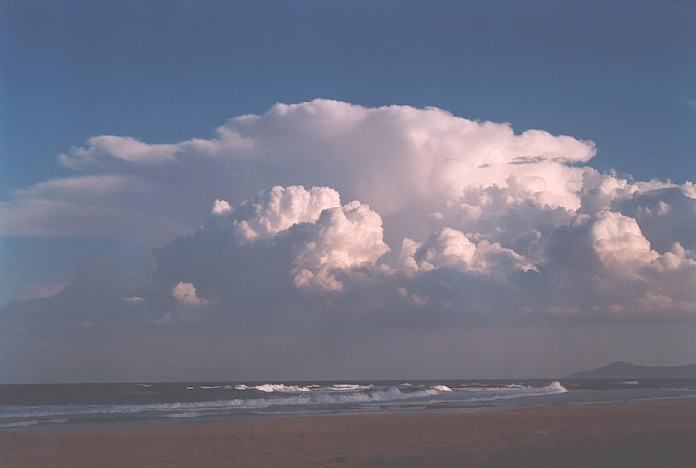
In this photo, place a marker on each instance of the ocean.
(71, 405)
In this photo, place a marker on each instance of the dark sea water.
(69, 405)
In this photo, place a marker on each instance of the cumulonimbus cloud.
(436, 203)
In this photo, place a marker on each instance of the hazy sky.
(259, 190)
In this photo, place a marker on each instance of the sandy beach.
(611, 435)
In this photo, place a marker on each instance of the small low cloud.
(220, 207)
(186, 294)
(133, 300)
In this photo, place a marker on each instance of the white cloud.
(689, 189)
(187, 295)
(133, 299)
(644, 281)
(412, 298)
(602, 191)
(516, 216)
(108, 150)
(619, 242)
(279, 208)
(452, 249)
(220, 207)
(343, 238)
(124, 148)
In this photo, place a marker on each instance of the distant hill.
(627, 370)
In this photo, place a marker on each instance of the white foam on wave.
(349, 387)
(32, 422)
(410, 385)
(497, 393)
(186, 414)
(504, 393)
(553, 387)
(557, 387)
(442, 388)
(281, 388)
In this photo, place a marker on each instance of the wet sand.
(608, 435)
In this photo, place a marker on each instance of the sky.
(219, 190)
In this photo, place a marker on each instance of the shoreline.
(166, 422)
(607, 434)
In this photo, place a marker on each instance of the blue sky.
(619, 73)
